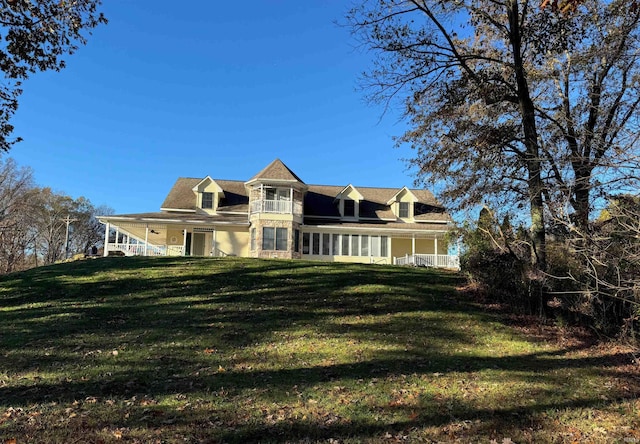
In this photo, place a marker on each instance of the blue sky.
(216, 88)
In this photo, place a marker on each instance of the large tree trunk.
(532, 155)
(582, 201)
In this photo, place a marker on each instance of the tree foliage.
(16, 208)
(33, 228)
(36, 35)
(508, 102)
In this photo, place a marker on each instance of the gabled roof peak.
(277, 171)
(205, 182)
(345, 191)
(401, 191)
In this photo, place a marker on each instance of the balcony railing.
(430, 260)
(271, 206)
(150, 250)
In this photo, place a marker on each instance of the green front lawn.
(238, 350)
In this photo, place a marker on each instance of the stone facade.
(290, 252)
(291, 221)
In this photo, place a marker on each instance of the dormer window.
(207, 201)
(403, 210)
(349, 208)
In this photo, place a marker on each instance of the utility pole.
(67, 221)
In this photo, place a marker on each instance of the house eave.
(109, 219)
(180, 210)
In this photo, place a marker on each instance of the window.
(277, 193)
(403, 210)
(281, 239)
(355, 244)
(268, 238)
(316, 243)
(364, 245)
(296, 241)
(326, 242)
(336, 245)
(345, 245)
(349, 208)
(375, 246)
(207, 200)
(306, 237)
(274, 238)
(253, 239)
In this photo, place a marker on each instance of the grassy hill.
(237, 350)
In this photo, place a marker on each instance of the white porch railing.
(150, 250)
(429, 260)
(271, 206)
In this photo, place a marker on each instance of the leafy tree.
(53, 209)
(33, 225)
(508, 102)
(86, 231)
(36, 34)
(16, 208)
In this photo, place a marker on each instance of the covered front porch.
(425, 250)
(158, 238)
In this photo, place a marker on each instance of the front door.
(197, 244)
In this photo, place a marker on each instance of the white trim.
(219, 189)
(180, 210)
(105, 249)
(184, 242)
(239, 213)
(339, 195)
(203, 230)
(393, 199)
(173, 221)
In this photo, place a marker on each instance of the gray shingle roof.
(277, 170)
(319, 200)
(181, 195)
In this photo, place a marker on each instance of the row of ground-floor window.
(325, 245)
(333, 244)
(322, 244)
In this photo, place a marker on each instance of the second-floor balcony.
(272, 206)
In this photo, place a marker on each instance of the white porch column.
(215, 242)
(117, 235)
(184, 242)
(413, 244)
(105, 250)
(435, 243)
(291, 198)
(146, 239)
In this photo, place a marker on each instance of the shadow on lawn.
(237, 304)
(255, 298)
(232, 424)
